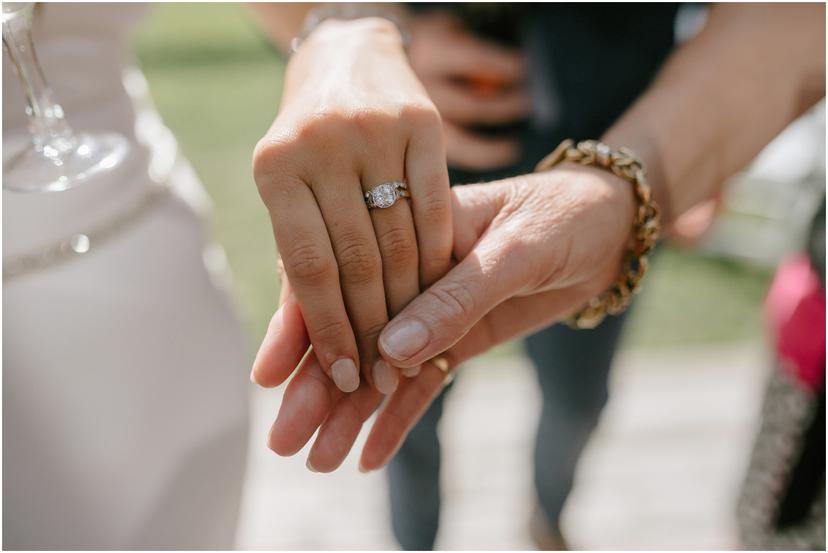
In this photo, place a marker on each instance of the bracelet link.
(625, 164)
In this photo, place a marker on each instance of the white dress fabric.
(124, 368)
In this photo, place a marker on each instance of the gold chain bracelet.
(646, 224)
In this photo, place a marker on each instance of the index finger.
(401, 412)
(311, 266)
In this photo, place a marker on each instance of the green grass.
(690, 298)
(216, 82)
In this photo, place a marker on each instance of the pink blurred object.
(795, 310)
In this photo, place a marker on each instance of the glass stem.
(47, 124)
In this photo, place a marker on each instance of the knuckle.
(398, 247)
(320, 128)
(436, 203)
(369, 122)
(358, 261)
(434, 266)
(329, 331)
(421, 115)
(271, 156)
(377, 129)
(307, 262)
(456, 299)
(368, 335)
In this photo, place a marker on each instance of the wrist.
(343, 48)
(647, 149)
(354, 22)
(334, 38)
(622, 164)
(613, 197)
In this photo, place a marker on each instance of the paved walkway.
(661, 472)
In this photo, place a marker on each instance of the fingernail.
(253, 377)
(405, 338)
(362, 468)
(345, 375)
(385, 377)
(310, 466)
(411, 372)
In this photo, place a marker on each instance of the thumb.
(473, 207)
(518, 317)
(284, 344)
(443, 314)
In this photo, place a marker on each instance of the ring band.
(443, 364)
(386, 194)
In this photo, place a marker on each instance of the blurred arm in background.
(475, 83)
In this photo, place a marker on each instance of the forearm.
(723, 96)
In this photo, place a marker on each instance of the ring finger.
(358, 257)
(397, 241)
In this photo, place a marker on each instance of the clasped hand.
(528, 250)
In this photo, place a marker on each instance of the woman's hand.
(354, 116)
(472, 82)
(533, 249)
(562, 232)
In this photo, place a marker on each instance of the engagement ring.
(386, 194)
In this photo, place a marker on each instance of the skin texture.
(536, 247)
(353, 116)
(486, 219)
(331, 118)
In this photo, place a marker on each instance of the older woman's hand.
(354, 116)
(561, 232)
(533, 249)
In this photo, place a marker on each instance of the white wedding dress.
(124, 367)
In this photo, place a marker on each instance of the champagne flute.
(57, 158)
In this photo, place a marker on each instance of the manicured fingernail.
(385, 377)
(404, 338)
(310, 466)
(253, 377)
(345, 375)
(362, 468)
(411, 372)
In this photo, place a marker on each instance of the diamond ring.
(386, 194)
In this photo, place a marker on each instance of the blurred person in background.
(782, 503)
(534, 248)
(505, 89)
(125, 407)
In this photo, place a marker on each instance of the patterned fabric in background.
(782, 505)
